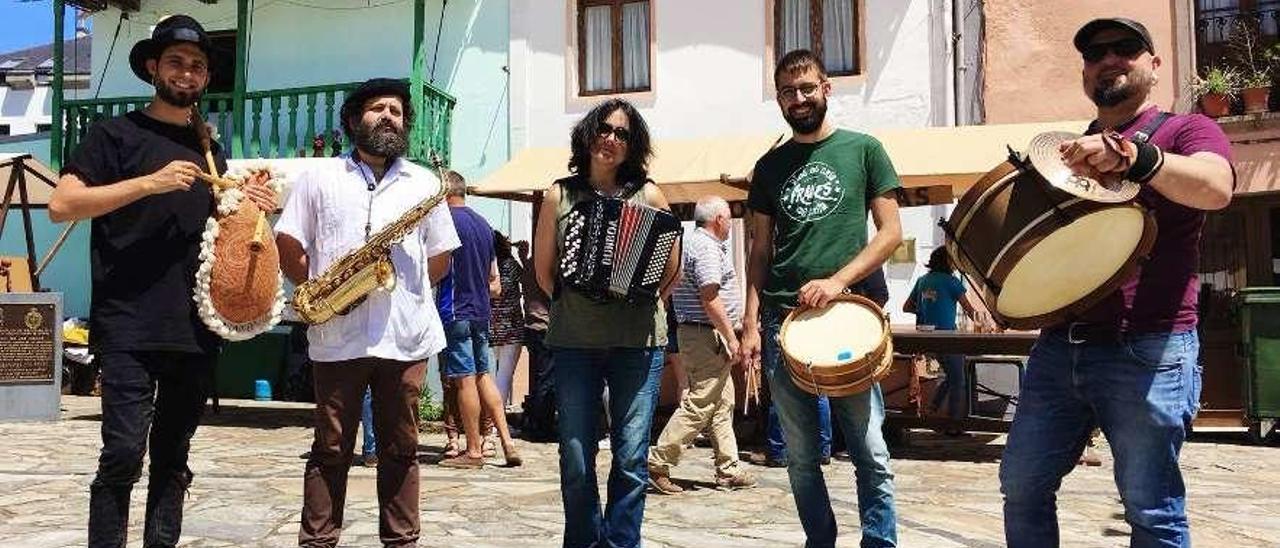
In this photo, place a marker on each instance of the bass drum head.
(843, 332)
(1072, 262)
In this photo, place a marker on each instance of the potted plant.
(1255, 91)
(1214, 90)
(1255, 62)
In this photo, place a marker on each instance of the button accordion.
(616, 249)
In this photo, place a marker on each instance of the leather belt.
(1090, 333)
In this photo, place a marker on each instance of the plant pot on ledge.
(1255, 99)
(1216, 105)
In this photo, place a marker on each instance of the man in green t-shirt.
(809, 200)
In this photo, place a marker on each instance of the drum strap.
(1142, 135)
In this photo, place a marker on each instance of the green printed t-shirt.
(818, 195)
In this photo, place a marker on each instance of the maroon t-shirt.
(1164, 294)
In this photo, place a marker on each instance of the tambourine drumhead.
(843, 332)
(1070, 263)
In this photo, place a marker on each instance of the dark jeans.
(540, 404)
(160, 394)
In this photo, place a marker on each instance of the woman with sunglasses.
(594, 345)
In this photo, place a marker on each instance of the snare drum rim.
(1020, 247)
(845, 297)
(857, 386)
(798, 370)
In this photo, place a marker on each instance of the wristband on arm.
(1146, 164)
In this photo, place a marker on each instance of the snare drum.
(838, 350)
(1038, 255)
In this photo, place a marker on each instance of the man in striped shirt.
(709, 309)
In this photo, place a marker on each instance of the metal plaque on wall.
(30, 356)
(27, 342)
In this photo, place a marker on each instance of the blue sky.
(26, 24)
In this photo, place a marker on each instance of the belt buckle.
(1071, 333)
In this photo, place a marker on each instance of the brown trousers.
(339, 397)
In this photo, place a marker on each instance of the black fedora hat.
(169, 31)
(375, 87)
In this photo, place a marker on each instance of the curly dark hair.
(634, 171)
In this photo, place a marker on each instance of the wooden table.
(909, 340)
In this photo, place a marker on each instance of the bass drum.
(1038, 255)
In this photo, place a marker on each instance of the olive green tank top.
(579, 322)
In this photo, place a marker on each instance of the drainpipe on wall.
(958, 67)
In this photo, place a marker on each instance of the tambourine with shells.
(239, 290)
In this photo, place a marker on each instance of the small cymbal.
(1045, 157)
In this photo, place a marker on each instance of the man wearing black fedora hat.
(1128, 365)
(135, 177)
(383, 343)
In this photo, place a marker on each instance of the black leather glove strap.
(1148, 162)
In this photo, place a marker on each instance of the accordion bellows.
(616, 249)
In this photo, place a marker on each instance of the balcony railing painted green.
(279, 123)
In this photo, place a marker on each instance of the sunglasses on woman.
(622, 134)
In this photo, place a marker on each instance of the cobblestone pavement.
(248, 492)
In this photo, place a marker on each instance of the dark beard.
(382, 140)
(1114, 94)
(1105, 96)
(804, 125)
(181, 99)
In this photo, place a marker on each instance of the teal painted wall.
(69, 271)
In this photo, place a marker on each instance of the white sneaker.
(604, 444)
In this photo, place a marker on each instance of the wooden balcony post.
(242, 66)
(55, 129)
(418, 133)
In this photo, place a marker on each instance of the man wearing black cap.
(1129, 365)
(383, 343)
(134, 175)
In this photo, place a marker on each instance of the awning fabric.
(690, 168)
(39, 178)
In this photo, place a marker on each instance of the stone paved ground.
(248, 492)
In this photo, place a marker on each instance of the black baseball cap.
(169, 31)
(1086, 33)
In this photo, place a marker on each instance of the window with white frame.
(613, 46)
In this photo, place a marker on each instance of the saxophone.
(346, 283)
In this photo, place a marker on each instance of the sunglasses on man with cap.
(1126, 48)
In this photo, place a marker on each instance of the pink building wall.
(1033, 71)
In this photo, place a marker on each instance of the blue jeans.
(366, 426)
(632, 375)
(861, 417)
(466, 350)
(954, 390)
(1142, 391)
(776, 444)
